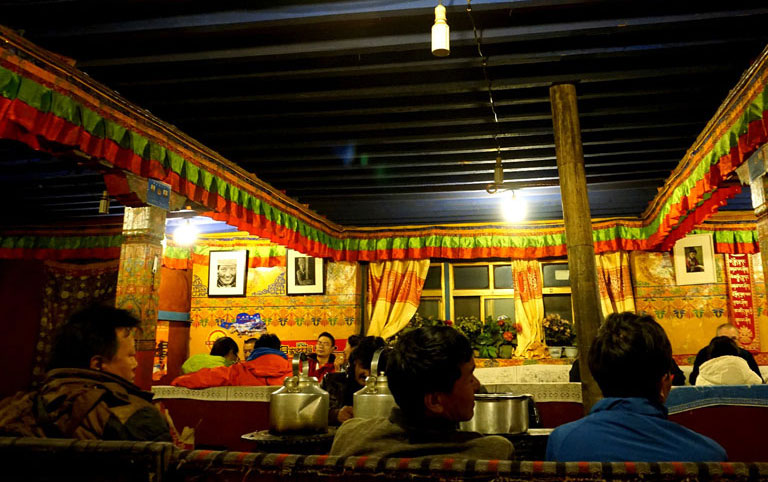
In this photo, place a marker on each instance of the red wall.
(21, 298)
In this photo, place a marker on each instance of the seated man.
(88, 392)
(248, 346)
(430, 373)
(729, 330)
(724, 366)
(342, 386)
(223, 353)
(322, 360)
(266, 365)
(631, 360)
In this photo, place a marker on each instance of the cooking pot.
(374, 399)
(300, 406)
(497, 413)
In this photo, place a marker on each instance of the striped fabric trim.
(42, 97)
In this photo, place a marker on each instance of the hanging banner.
(739, 275)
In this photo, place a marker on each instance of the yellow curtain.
(529, 309)
(394, 291)
(614, 282)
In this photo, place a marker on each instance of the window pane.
(500, 306)
(466, 306)
(430, 308)
(470, 278)
(502, 277)
(434, 278)
(555, 274)
(558, 304)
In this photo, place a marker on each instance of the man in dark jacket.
(726, 329)
(341, 386)
(88, 392)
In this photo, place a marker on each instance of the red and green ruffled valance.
(261, 252)
(43, 101)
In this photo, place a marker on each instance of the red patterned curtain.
(614, 282)
(394, 293)
(68, 288)
(529, 309)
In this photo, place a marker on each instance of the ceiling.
(341, 105)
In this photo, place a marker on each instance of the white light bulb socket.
(441, 34)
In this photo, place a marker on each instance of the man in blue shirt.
(631, 360)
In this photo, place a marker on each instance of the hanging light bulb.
(185, 234)
(514, 207)
(441, 46)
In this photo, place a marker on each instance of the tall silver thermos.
(374, 399)
(300, 406)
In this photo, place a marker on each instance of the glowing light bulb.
(514, 207)
(185, 234)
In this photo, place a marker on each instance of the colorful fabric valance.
(44, 100)
(262, 253)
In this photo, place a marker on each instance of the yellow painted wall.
(690, 314)
(296, 320)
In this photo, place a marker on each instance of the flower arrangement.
(558, 331)
(508, 330)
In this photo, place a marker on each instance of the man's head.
(248, 346)
(227, 272)
(225, 347)
(352, 343)
(325, 344)
(100, 338)
(268, 340)
(631, 357)
(430, 373)
(729, 330)
(361, 356)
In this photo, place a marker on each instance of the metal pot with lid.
(374, 399)
(300, 406)
(501, 413)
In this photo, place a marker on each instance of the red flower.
(501, 322)
(448, 322)
(519, 327)
(508, 336)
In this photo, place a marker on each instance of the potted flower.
(471, 327)
(508, 336)
(558, 333)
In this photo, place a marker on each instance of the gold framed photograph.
(227, 273)
(694, 259)
(305, 274)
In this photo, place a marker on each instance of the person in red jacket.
(322, 360)
(266, 365)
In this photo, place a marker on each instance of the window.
(487, 289)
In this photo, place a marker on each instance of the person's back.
(631, 360)
(430, 374)
(705, 354)
(724, 366)
(88, 393)
(223, 354)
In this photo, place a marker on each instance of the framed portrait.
(305, 274)
(227, 273)
(694, 259)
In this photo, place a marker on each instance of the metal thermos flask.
(300, 406)
(374, 399)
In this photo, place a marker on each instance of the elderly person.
(724, 366)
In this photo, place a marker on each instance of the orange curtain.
(614, 282)
(394, 291)
(529, 309)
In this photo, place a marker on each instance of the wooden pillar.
(578, 230)
(138, 282)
